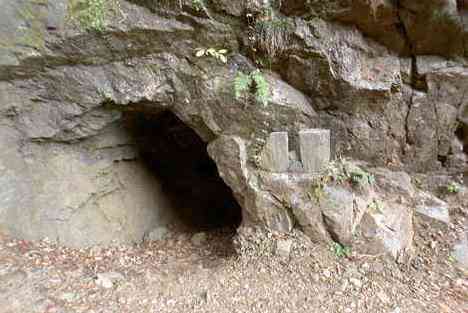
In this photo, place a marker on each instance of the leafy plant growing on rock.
(217, 54)
(198, 5)
(453, 187)
(317, 191)
(178, 3)
(340, 250)
(254, 81)
(242, 83)
(361, 178)
(91, 14)
(272, 33)
(443, 16)
(341, 171)
(375, 206)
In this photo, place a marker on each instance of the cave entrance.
(178, 158)
(462, 134)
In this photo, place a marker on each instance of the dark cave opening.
(462, 134)
(178, 158)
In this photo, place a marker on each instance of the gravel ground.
(211, 275)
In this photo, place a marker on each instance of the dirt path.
(175, 275)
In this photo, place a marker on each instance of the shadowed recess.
(178, 157)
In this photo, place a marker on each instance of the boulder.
(432, 207)
(386, 229)
(460, 253)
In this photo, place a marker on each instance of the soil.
(176, 275)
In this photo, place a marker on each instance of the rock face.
(388, 80)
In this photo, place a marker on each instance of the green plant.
(272, 34)
(217, 54)
(443, 15)
(453, 187)
(91, 14)
(198, 5)
(340, 250)
(242, 83)
(376, 206)
(317, 191)
(262, 93)
(337, 170)
(417, 182)
(342, 170)
(255, 80)
(170, 3)
(360, 177)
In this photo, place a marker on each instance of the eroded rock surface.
(388, 79)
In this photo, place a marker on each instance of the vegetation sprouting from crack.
(219, 54)
(197, 5)
(453, 187)
(340, 250)
(272, 33)
(91, 14)
(340, 172)
(244, 83)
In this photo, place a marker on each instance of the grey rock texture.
(388, 79)
(315, 149)
(107, 280)
(275, 154)
(432, 207)
(460, 253)
(159, 233)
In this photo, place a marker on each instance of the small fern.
(91, 14)
(262, 93)
(340, 250)
(242, 83)
(255, 79)
(453, 187)
(272, 33)
(198, 5)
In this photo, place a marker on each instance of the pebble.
(460, 253)
(199, 238)
(158, 234)
(95, 250)
(356, 282)
(283, 248)
(383, 297)
(344, 286)
(365, 267)
(326, 273)
(107, 280)
(204, 296)
(68, 296)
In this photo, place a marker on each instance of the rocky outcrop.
(366, 71)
